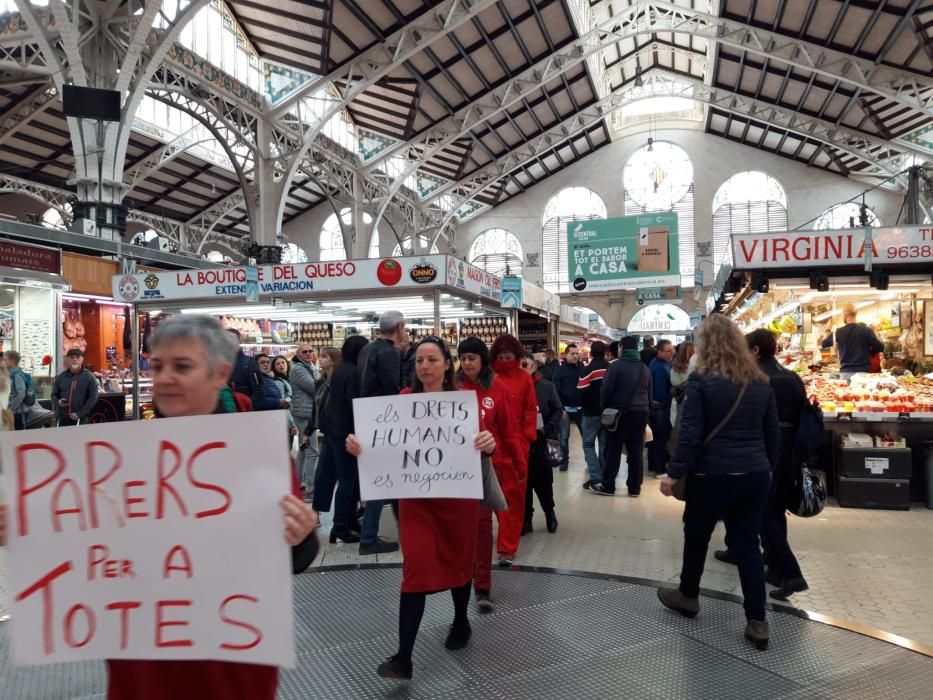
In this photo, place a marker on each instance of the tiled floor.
(868, 566)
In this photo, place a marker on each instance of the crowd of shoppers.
(723, 415)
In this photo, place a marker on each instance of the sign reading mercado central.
(624, 252)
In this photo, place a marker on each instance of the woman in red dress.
(476, 375)
(438, 535)
(507, 352)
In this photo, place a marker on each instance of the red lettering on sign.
(22, 489)
(92, 481)
(129, 501)
(164, 447)
(124, 606)
(160, 623)
(209, 487)
(748, 254)
(185, 565)
(256, 632)
(90, 622)
(183, 279)
(76, 509)
(44, 585)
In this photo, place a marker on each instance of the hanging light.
(651, 147)
(639, 82)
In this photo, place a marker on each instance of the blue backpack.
(30, 398)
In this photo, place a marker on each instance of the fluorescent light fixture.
(836, 312)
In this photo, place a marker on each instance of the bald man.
(855, 342)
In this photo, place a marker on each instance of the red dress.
(438, 538)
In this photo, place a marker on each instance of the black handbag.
(610, 419)
(555, 455)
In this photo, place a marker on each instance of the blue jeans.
(370, 526)
(575, 418)
(593, 431)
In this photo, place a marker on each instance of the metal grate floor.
(552, 634)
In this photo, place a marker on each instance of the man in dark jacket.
(591, 403)
(790, 394)
(626, 388)
(550, 364)
(648, 353)
(75, 391)
(565, 382)
(856, 343)
(380, 370)
(660, 418)
(247, 379)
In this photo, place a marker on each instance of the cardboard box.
(652, 249)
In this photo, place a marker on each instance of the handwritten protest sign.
(150, 540)
(419, 446)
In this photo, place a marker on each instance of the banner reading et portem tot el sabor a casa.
(623, 252)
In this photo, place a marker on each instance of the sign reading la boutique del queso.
(300, 279)
(846, 247)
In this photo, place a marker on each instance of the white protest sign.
(419, 446)
(150, 540)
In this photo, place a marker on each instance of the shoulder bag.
(493, 498)
(611, 416)
(679, 488)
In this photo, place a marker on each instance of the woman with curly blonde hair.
(727, 447)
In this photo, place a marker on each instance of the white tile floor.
(868, 566)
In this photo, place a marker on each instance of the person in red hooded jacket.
(476, 375)
(507, 352)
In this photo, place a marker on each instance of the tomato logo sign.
(389, 273)
(129, 288)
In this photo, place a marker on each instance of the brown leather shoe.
(756, 632)
(675, 600)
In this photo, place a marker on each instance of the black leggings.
(411, 610)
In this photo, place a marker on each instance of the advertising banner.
(846, 247)
(154, 539)
(651, 295)
(463, 275)
(511, 293)
(31, 257)
(624, 252)
(419, 446)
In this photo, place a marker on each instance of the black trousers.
(778, 555)
(739, 501)
(540, 479)
(630, 435)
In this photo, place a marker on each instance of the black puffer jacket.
(337, 416)
(747, 443)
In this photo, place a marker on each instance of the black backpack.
(811, 429)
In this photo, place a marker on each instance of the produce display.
(872, 393)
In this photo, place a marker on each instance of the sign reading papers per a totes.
(419, 446)
(150, 540)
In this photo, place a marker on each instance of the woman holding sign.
(190, 363)
(438, 535)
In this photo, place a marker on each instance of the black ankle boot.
(551, 520)
(393, 667)
(344, 534)
(459, 636)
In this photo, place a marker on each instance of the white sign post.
(150, 540)
(419, 446)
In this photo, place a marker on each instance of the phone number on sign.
(910, 251)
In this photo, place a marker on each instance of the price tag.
(903, 416)
(844, 416)
(874, 417)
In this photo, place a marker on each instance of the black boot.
(551, 520)
(393, 667)
(344, 534)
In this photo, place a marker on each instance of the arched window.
(404, 248)
(332, 247)
(659, 177)
(845, 216)
(291, 253)
(497, 251)
(570, 204)
(748, 202)
(659, 318)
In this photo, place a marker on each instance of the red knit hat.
(507, 343)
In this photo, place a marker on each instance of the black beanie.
(474, 346)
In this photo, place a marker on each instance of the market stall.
(798, 285)
(277, 306)
(537, 311)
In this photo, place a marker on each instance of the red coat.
(496, 416)
(522, 399)
(438, 538)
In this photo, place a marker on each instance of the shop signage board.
(126, 541)
(538, 298)
(30, 257)
(623, 252)
(649, 295)
(511, 293)
(304, 279)
(419, 446)
(834, 248)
